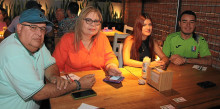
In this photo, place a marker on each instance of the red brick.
(214, 62)
(209, 9)
(214, 53)
(217, 9)
(211, 31)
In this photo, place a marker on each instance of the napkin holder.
(160, 79)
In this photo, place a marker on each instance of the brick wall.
(132, 10)
(163, 13)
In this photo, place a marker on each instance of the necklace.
(143, 47)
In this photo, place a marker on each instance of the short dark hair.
(73, 7)
(187, 12)
(32, 4)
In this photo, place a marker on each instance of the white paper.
(204, 68)
(72, 76)
(180, 99)
(86, 106)
(198, 67)
(195, 66)
(169, 106)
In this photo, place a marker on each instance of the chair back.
(118, 45)
(126, 27)
(120, 55)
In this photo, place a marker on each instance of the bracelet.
(78, 85)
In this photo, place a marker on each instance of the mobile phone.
(83, 94)
(114, 79)
(206, 84)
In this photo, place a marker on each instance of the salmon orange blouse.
(68, 60)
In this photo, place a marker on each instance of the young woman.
(86, 48)
(141, 44)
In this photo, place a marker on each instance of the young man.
(25, 61)
(186, 46)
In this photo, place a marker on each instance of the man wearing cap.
(25, 61)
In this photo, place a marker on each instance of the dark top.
(144, 49)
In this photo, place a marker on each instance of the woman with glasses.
(141, 44)
(86, 48)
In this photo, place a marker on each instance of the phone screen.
(115, 79)
(84, 94)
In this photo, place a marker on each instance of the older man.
(186, 46)
(25, 61)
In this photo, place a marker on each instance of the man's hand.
(113, 70)
(178, 60)
(59, 81)
(87, 81)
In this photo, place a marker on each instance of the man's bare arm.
(50, 90)
(204, 60)
(58, 86)
(51, 72)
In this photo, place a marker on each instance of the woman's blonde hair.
(79, 23)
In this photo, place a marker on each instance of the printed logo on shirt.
(178, 46)
(193, 48)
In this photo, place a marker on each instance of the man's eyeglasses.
(34, 28)
(90, 21)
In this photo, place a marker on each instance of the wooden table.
(185, 81)
(130, 95)
(114, 96)
(111, 33)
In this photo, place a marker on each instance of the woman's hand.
(156, 63)
(113, 70)
(162, 64)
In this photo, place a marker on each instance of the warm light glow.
(1, 34)
(157, 58)
(117, 9)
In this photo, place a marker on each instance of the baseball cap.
(34, 15)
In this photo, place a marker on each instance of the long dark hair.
(137, 37)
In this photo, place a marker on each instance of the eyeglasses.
(90, 21)
(34, 28)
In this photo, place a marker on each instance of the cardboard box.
(160, 79)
